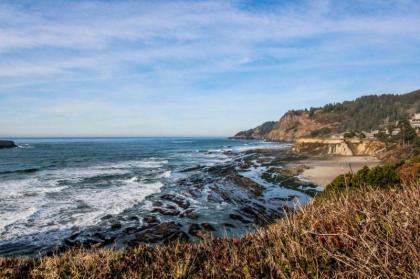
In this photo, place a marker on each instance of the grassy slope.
(359, 233)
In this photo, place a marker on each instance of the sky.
(194, 68)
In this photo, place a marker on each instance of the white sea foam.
(9, 217)
(146, 163)
(262, 145)
(165, 174)
(43, 214)
(36, 204)
(24, 146)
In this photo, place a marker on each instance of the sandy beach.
(323, 171)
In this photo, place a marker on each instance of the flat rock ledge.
(7, 144)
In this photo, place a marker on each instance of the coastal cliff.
(297, 124)
(366, 113)
(341, 147)
(7, 144)
(259, 132)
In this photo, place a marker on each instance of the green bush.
(380, 176)
(349, 135)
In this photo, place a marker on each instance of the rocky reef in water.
(7, 144)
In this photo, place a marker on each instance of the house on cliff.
(415, 122)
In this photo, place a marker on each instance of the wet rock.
(275, 214)
(179, 236)
(130, 230)
(264, 160)
(225, 196)
(116, 225)
(150, 219)
(93, 242)
(72, 243)
(214, 197)
(228, 225)
(262, 209)
(257, 214)
(108, 240)
(247, 183)
(167, 211)
(99, 235)
(133, 218)
(195, 168)
(286, 177)
(178, 200)
(217, 194)
(207, 227)
(74, 236)
(157, 233)
(107, 217)
(289, 198)
(189, 213)
(243, 165)
(195, 193)
(194, 181)
(201, 231)
(7, 144)
(198, 182)
(133, 229)
(222, 170)
(157, 203)
(194, 228)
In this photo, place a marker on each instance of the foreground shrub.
(361, 233)
(409, 172)
(379, 176)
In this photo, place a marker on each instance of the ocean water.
(51, 188)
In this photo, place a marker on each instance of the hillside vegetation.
(350, 232)
(371, 112)
(363, 114)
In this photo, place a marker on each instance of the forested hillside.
(370, 112)
(363, 114)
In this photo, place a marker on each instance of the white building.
(395, 131)
(415, 122)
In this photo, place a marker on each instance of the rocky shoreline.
(255, 187)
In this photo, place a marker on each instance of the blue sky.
(194, 68)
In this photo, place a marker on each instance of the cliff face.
(292, 125)
(299, 124)
(341, 147)
(259, 132)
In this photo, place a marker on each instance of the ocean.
(56, 189)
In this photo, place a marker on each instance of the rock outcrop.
(258, 133)
(342, 147)
(7, 144)
(296, 124)
(292, 125)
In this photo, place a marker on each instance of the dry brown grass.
(362, 233)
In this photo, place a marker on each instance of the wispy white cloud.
(121, 32)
